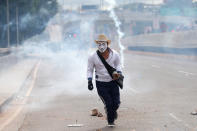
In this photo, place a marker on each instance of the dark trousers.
(110, 95)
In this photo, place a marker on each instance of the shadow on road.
(105, 129)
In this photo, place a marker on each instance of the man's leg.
(115, 95)
(103, 91)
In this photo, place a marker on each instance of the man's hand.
(90, 85)
(115, 75)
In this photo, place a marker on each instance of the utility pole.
(8, 26)
(101, 4)
(17, 30)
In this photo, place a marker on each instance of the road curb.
(5, 53)
(165, 55)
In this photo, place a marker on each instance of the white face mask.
(102, 46)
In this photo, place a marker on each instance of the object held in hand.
(115, 75)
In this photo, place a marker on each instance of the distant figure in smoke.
(107, 89)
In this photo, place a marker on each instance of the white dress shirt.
(101, 72)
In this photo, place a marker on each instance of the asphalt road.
(158, 95)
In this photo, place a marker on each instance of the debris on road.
(75, 125)
(95, 112)
(100, 115)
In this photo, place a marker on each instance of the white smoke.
(117, 24)
(67, 54)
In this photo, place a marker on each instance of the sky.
(74, 4)
(77, 2)
(144, 1)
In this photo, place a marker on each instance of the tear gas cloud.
(65, 44)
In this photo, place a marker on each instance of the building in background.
(178, 3)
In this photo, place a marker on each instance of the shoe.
(111, 124)
(116, 116)
(194, 113)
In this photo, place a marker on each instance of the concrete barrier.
(166, 50)
(181, 45)
(186, 39)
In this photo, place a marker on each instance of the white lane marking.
(179, 120)
(187, 125)
(134, 91)
(186, 73)
(32, 84)
(155, 66)
(174, 117)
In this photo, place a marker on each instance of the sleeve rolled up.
(90, 68)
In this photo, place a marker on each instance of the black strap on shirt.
(109, 68)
